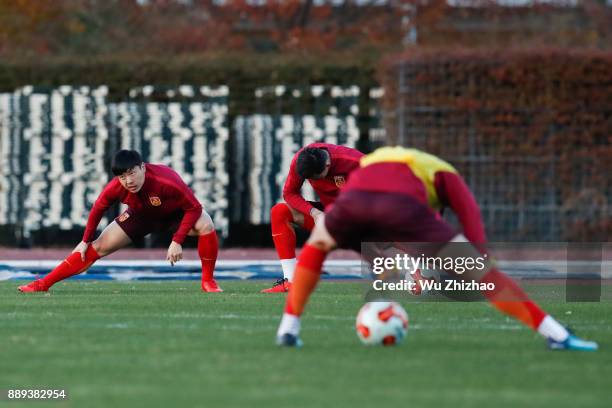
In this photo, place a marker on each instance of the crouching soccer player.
(390, 199)
(158, 200)
(326, 167)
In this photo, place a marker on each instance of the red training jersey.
(343, 161)
(162, 195)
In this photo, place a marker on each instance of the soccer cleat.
(211, 286)
(288, 340)
(280, 286)
(573, 343)
(35, 286)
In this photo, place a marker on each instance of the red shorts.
(137, 224)
(369, 216)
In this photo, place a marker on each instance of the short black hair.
(125, 160)
(311, 162)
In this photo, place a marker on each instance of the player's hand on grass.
(81, 248)
(175, 253)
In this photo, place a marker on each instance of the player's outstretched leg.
(283, 235)
(511, 299)
(208, 249)
(111, 239)
(307, 275)
(72, 265)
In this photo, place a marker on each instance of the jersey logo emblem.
(123, 217)
(155, 201)
(340, 181)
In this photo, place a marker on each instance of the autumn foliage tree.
(100, 27)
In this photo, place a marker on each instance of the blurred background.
(516, 94)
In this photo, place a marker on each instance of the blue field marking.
(133, 270)
(161, 270)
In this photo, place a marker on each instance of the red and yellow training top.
(423, 176)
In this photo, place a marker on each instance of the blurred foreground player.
(158, 200)
(326, 167)
(390, 199)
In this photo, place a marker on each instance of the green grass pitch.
(112, 344)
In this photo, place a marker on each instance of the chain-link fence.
(532, 143)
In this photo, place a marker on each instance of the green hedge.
(241, 72)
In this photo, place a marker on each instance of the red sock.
(208, 248)
(307, 274)
(70, 266)
(509, 298)
(283, 234)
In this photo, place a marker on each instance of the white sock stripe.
(289, 324)
(288, 266)
(550, 328)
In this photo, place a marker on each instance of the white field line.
(349, 267)
(552, 264)
(140, 263)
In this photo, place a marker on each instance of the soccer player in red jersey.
(392, 198)
(326, 167)
(158, 200)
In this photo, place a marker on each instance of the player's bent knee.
(204, 225)
(321, 245)
(207, 228)
(280, 212)
(99, 248)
